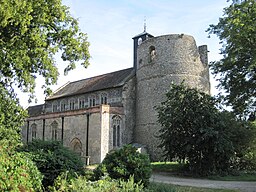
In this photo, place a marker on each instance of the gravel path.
(242, 186)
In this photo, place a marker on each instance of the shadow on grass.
(181, 170)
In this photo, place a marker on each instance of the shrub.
(125, 162)
(52, 158)
(18, 172)
(81, 183)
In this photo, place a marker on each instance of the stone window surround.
(72, 103)
(34, 130)
(55, 106)
(116, 125)
(104, 98)
(54, 126)
(82, 102)
(63, 105)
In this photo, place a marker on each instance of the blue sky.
(110, 26)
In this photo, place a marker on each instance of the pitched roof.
(35, 110)
(109, 80)
(143, 33)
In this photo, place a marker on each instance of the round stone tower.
(161, 61)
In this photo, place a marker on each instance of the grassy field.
(178, 169)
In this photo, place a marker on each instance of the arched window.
(152, 53)
(34, 130)
(81, 103)
(139, 41)
(55, 106)
(116, 131)
(76, 146)
(104, 98)
(72, 104)
(92, 101)
(54, 127)
(63, 105)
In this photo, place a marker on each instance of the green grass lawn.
(172, 167)
(179, 169)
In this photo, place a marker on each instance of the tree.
(52, 158)
(237, 70)
(31, 33)
(194, 130)
(11, 118)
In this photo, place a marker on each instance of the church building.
(96, 115)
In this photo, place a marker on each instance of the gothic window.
(55, 107)
(63, 105)
(152, 53)
(72, 104)
(104, 98)
(34, 130)
(116, 131)
(81, 103)
(92, 101)
(76, 146)
(54, 126)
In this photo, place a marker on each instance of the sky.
(110, 26)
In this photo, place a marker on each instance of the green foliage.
(236, 71)
(160, 187)
(124, 163)
(18, 172)
(31, 33)
(11, 119)
(174, 167)
(81, 183)
(246, 154)
(52, 158)
(193, 129)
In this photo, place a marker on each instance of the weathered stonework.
(96, 115)
(175, 59)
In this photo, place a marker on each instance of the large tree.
(31, 33)
(237, 69)
(193, 129)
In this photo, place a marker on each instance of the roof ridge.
(107, 80)
(61, 87)
(100, 75)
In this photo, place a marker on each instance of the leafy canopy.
(11, 118)
(52, 158)
(237, 70)
(31, 33)
(194, 130)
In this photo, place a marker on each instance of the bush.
(18, 172)
(124, 163)
(52, 158)
(81, 183)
